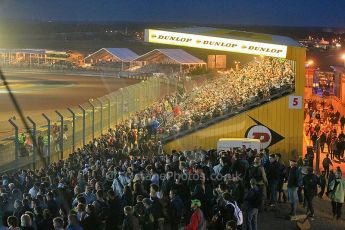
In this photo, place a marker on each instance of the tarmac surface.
(39, 93)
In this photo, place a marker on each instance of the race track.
(38, 93)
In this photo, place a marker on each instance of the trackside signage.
(215, 43)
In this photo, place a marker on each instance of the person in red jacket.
(197, 221)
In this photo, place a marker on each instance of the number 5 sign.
(295, 102)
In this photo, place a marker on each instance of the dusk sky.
(251, 12)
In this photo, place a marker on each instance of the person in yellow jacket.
(337, 194)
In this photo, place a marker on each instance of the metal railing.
(77, 126)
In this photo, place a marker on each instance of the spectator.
(253, 200)
(292, 186)
(91, 221)
(12, 223)
(26, 222)
(130, 222)
(176, 209)
(337, 194)
(47, 222)
(322, 183)
(119, 183)
(149, 218)
(198, 220)
(58, 223)
(273, 178)
(73, 223)
(310, 190)
(115, 215)
(326, 163)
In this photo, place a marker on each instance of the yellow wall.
(275, 115)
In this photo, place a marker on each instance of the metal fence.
(76, 126)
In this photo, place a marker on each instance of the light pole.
(93, 118)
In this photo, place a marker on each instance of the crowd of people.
(124, 180)
(183, 110)
(257, 80)
(325, 127)
(100, 187)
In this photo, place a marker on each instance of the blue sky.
(246, 12)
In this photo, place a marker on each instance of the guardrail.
(77, 126)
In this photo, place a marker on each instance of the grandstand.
(263, 100)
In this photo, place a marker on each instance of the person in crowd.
(282, 176)
(115, 206)
(157, 209)
(257, 172)
(130, 222)
(292, 185)
(26, 222)
(252, 200)
(310, 182)
(198, 220)
(73, 223)
(337, 194)
(273, 178)
(176, 209)
(149, 220)
(91, 220)
(12, 223)
(326, 163)
(322, 183)
(46, 222)
(58, 223)
(120, 182)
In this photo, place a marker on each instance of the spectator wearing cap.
(197, 220)
(337, 194)
(292, 185)
(272, 171)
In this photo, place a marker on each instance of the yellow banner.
(215, 43)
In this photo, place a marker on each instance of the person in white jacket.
(120, 182)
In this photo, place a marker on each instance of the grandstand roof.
(240, 35)
(177, 55)
(26, 51)
(123, 54)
